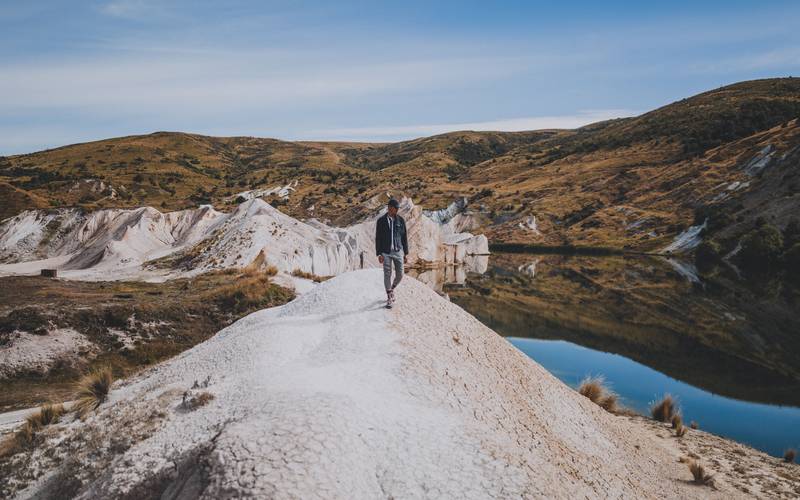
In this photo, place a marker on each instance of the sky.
(75, 71)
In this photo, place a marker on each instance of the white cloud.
(787, 57)
(215, 82)
(394, 132)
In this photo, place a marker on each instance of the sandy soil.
(38, 353)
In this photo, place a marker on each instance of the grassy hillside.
(633, 182)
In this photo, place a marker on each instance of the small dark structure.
(49, 273)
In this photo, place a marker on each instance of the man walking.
(391, 246)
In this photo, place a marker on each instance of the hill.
(343, 399)
(629, 183)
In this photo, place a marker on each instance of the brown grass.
(680, 431)
(92, 391)
(595, 390)
(700, 475)
(694, 425)
(310, 276)
(789, 455)
(664, 410)
(677, 421)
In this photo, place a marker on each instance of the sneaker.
(388, 303)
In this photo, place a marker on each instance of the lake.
(729, 352)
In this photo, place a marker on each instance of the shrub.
(694, 425)
(680, 431)
(761, 247)
(677, 421)
(92, 391)
(664, 409)
(699, 474)
(789, 455)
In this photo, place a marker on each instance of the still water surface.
(730, 353)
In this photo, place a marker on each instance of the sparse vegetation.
(192, 401)
(677, 421)
(153, 322)
(250, 290)
(48, 414)
(309, 276)
(664, 410)
(92, 391)
(595, 390)
(789, 455)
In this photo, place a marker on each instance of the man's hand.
(380, 259)
(405, 259)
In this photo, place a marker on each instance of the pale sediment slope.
(144, 243)
(333, 396)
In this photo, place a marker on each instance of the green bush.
(761, 247)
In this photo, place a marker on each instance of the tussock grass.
(677, 421)
(789, 455)
(699, 474)
(664, 410)
(92, 390)
(595, 390)
(48, 414)
(680, 431)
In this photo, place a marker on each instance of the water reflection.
(453, 275)
(708, 331)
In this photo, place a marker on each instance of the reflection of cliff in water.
(452, 275)
(738, 341)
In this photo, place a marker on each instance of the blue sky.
(74, 71)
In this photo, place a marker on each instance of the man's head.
(392, 207)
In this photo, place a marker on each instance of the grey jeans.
(388, 259)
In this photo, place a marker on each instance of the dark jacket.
(383, 238)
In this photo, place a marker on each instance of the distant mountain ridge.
(628, 183)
